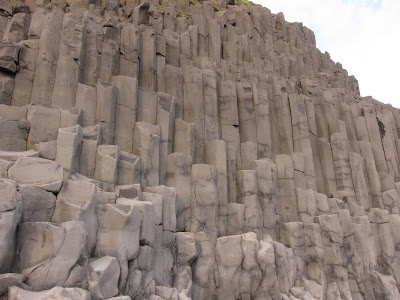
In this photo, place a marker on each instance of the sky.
(363, 35)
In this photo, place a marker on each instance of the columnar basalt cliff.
(180, 149)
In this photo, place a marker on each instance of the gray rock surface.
(10, 215)
(37, 172)
(189, 150)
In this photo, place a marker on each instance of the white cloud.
(363, 35)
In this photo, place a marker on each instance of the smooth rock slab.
(59, 293)
(37, 172)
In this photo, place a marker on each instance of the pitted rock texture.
(187, 149)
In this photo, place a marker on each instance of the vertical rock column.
(214, 40)
(166, 120)
(248, 196)
(387, 259)
(284, 117)
(17, 28)
(26, 73)
(46, 62)
(87, 100)
(10, 215)
(125, 111)
(375, 132)
(388, 143)
(374, 184)
(327, 167)
(105, 110)
(216, 155)
(268, 194)
(147, 71)
(130, 50)
(340, 151)
(90, 141)
(184, 137)
(288, 204)
(247, 122)
(77, 201)
(193, 107)
(334, 257)
(107, 158)
(70, 61)
(204, 225)
(361, 189)
(229, 118)
(93, 49)
(201, 22)
(262, 111)
(146, 145)
(110, 50)
(301, 137)
(178, 175)
(69, 143)
(212, 129)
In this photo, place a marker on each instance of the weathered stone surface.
(44, 122)
(193, 107)
(240, 259)
(107, 158)
(13, 135)
(76, 201)
(91, 139)
(184, 138)
(24, 77)
(6, 87)
(46, 62)
(37, 204)
(129, 169)
(13, 156)
(221, 155)
(8, 280)
(125, 111)
(168, 199)
(86, 99)
(55, 293)
(37, 172)
(118, 234)
(178, 175)
(70, 61)
(69, 142)
(103, 277)
(9, 57)
(4, 166)
(105, 110)
(47, 257)
(10, 215)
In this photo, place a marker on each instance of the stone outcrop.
(188, 150)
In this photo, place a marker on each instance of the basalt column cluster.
(184, 149)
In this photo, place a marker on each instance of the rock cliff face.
(188, 150)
